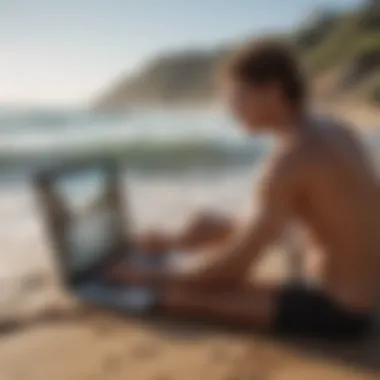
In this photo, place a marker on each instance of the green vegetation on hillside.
(349, 41)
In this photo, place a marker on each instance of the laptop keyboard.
(134, 299)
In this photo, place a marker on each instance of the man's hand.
(202, 230)
(128, 275)
(205, 229)
(154, 242)
(194, 278)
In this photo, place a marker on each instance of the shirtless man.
(319, 175)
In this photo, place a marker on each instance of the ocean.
(155, 140)
(175, 163)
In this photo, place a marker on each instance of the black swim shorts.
(310, 312)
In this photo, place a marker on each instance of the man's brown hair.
(267, 61)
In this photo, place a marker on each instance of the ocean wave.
(142, 139)
(145, 155)
(23, 120)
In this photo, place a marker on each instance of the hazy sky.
(65, 51)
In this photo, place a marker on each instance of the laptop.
(86, 220)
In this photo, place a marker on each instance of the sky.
(64, 52)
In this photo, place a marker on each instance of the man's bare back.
(338, 201)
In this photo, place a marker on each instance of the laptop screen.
(93, 229)
(85, 203)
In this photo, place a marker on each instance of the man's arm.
(278, 189)
(202, 230)
(205, 229)
(230, 265)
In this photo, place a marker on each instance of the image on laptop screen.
(91, 230)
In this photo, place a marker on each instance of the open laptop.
(86, 220)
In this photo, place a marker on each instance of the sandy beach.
(101, 346)
(46, 335)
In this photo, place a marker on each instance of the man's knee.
(207, 227)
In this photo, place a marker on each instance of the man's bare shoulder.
(292, 157)
(296, 159)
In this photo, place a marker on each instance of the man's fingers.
(154, 242)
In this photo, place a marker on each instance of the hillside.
(172, 78)
(340, 51)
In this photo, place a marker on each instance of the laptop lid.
(83, 209)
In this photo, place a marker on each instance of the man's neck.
(293, 124)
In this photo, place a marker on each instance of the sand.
(97, 345)
(45, 335)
